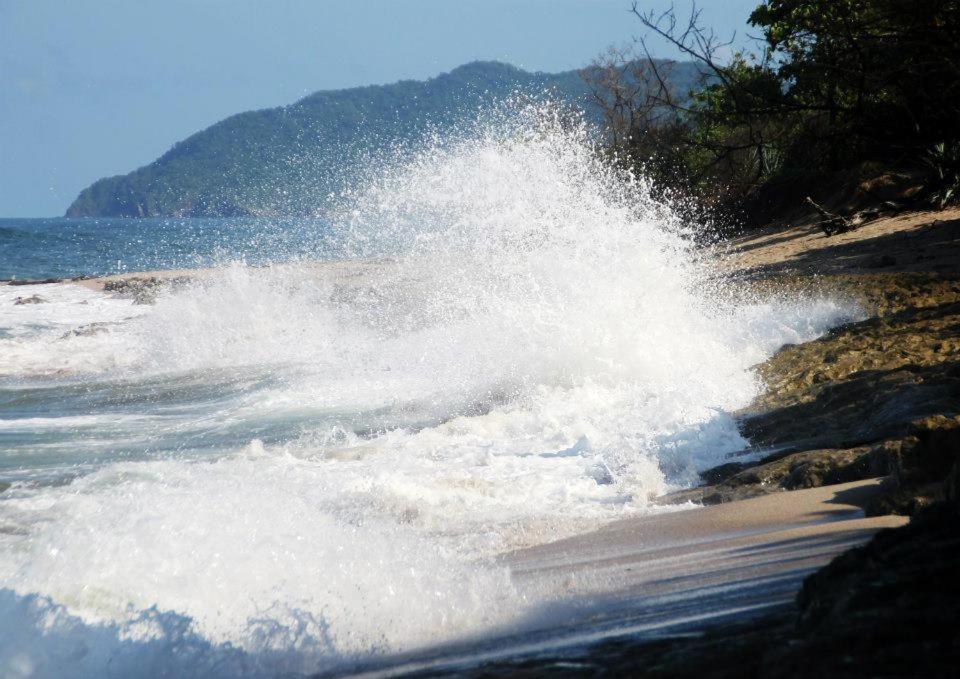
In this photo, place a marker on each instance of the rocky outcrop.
(88, 330)
(144, 290)
(925, 466)
(785, 471)
(889, 608)
(865, 381)
(879, 397)
(32, 299)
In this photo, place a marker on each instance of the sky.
(92, 88)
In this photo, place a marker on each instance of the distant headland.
(287, 160)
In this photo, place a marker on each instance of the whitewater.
(291, 468)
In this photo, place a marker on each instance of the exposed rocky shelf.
(858, 403)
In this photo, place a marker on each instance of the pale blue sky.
(90, 88)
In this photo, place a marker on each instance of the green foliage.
(944, 162)
(837, 85)
(880, 78)
(733, 142)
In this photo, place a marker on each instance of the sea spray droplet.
(524, 346)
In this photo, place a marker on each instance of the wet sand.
(709, 562)
(759, 537)
(670, 573)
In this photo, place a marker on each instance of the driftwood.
(833, 223)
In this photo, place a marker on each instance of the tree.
(833, 84)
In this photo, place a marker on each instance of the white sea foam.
(537, 350)
(32, 341)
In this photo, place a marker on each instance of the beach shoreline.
(668, 573)
(748, 550)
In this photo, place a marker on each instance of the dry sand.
(910, 241)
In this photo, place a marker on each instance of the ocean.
(319, 451)
(41, 248)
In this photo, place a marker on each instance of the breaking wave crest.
(306, 464)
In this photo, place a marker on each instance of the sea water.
(287, 468)
(42, 248)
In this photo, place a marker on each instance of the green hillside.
(287, 160)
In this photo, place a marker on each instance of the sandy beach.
(687, 568)
(921, 241)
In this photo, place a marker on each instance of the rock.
(87, 330)
(925, 467)
(41, 281)
(884, 457)
(782, 471)
(823, 468)
(860, 408)
(712, 494)
(869, 380)
(952, 484)
(936, 447)
(881, 262)
(143, 290)
(893, 605)
(33, 299)
(722, 472)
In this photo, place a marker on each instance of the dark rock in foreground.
(925, 467)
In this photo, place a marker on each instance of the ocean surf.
(299, 467)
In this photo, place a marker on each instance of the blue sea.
(40, 248)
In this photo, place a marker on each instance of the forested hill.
(287, 160)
